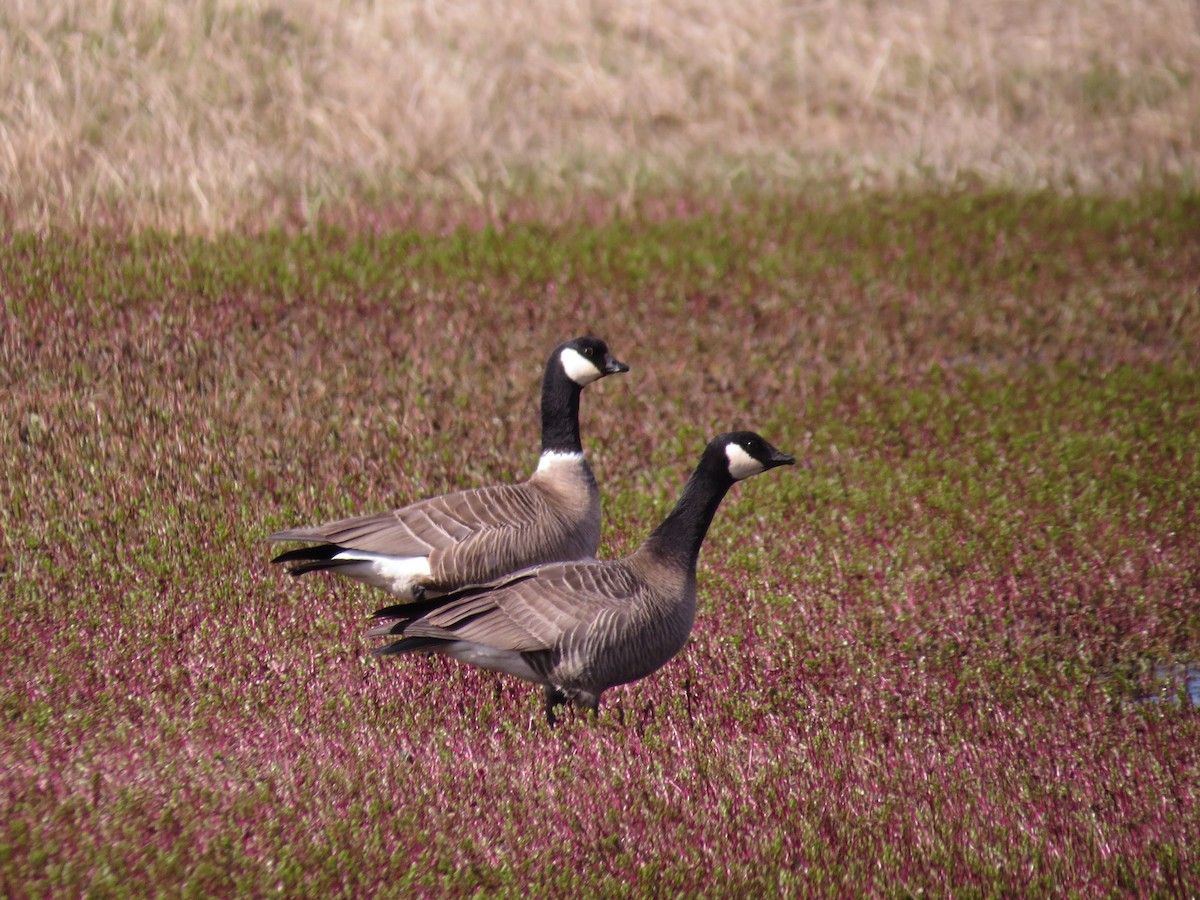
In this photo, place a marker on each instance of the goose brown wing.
(560, 604)
(480, 515)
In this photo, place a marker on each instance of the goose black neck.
(679, 537)
(560, 411)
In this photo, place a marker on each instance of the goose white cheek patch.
(741, 464)
(578, 369)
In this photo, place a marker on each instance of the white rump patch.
(741, 464)
(578, 368)
(553, 458)
(398, 575)
(510, 662)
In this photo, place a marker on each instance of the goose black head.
(586, 359)
(747, 454)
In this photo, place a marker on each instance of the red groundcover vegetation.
(950, 651)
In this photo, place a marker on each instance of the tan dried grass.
(202, 115)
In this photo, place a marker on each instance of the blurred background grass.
(214, 114)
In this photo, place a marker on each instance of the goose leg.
(554, 698)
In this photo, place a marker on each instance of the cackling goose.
(579, 628)
(472, 536)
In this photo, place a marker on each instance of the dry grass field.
(218, 113)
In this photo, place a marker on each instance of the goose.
(466, 537)
(581, 627)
